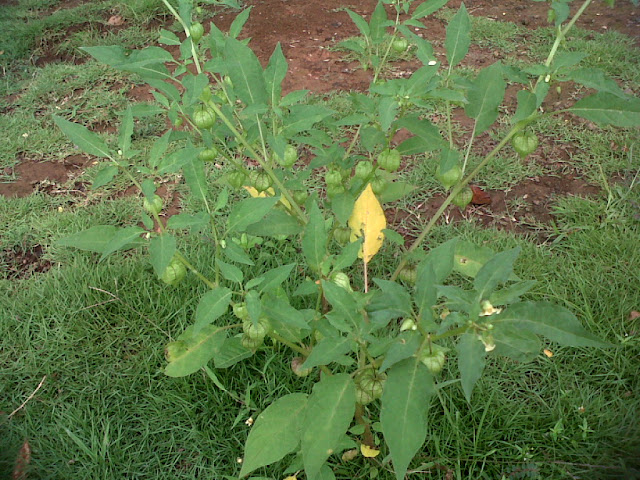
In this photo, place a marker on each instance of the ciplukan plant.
(375, 346)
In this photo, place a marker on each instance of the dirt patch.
(526, 208)
(22, 262)
(33, 174)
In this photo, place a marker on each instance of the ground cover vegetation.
(243, 281)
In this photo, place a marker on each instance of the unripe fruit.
(205, 96)
(236, 179)
(450, 177)
(362, 397)
(379, 185)
(259, 330)
(208, 154)
(240, 311)
(389, 160)
(262, 181)
(463, 198)
(196, 31)
(408, 324)
(296, 365)
(342, 280)
(524, 143)
(342, 235)
(251, 343)
(300, 196)
(363, 169)
(153, 207)
(290, 157)
(174, 273)
(400, 44)
(204, 118)
(409, 275)
(178, 122)
(434, 360)
(333, 178)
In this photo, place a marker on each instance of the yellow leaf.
(368, 220)
(368, 451)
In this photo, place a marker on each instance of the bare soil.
(307, 30)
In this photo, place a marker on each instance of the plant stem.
(194, 53)
(285, 191)
(457, 189)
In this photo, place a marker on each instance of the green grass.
(106, 410)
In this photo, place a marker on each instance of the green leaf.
(86, 140)
(230, 272)
(94, 239)
(458, 40)
(276, 432)
(254, 306)
(238, 22)
(274, 277)
(314, 239)
(427, 136)
(427, 8)
(185, 220)
(404, 346)
(326, 351)
(343, 303)
(360, 22)
(126, 130)
(405, 401)
(123, 239)
(393, 301)
(275, 223)
(194, 85)
(104, 176)
(387, 110)
(471, 361)
(194, 175)
(494, 272)
(348, 256)
(514, 342)
(245, 71)
(303, 117)
(248, 211)
(607, 109)
(426, 294)
(149, 62)
(470, 258)
(286, 320)
(231, 352)
(395, 191)
(168, 38)
(485, 96)
(526, 106)
(552, 321)
(191, 351)
(328, 415)
(212, 305)
(235, 253)
(161, 250)
(376, 24)
(511, 293)
(274, 74)
(442, 257)
(596, 79)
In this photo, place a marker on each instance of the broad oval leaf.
(191, 351)
(458, 40)
(86, 140)
(405, 401)
(328, 415)
(161, 250)
(212, 305)
(552, 321)
(607, 109)
(471, 361)
(275, 433)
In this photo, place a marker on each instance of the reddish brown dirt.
(306, 30)
(19, 262)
